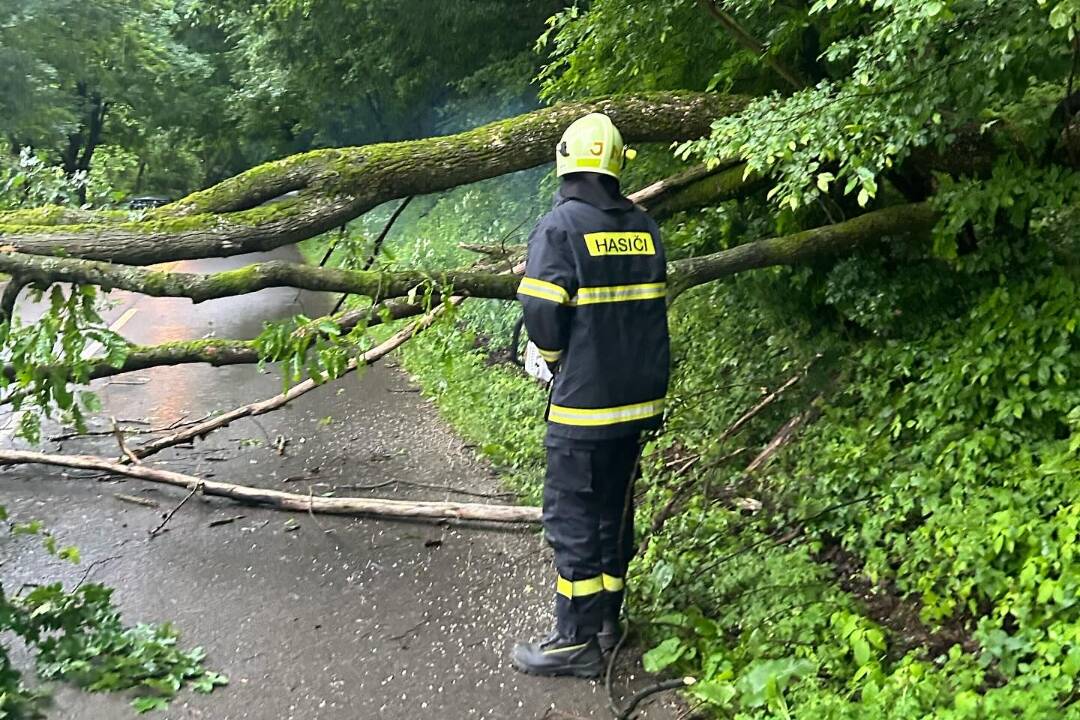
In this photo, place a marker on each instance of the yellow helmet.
(591, 144)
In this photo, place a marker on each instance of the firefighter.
(594, 297)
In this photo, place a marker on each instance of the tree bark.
(337, 185)
(727, 184)
(253, 278)
(803, 246)
(683, 274)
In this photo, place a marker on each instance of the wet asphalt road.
(314, 619)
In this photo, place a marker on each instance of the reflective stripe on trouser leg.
(580, 588)
(571, 524)
(611, 583)
(585, 498)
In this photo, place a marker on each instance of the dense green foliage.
(177, 94)
(910, 551)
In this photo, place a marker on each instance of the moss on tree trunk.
(336, 185)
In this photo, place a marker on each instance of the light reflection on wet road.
(339, 619)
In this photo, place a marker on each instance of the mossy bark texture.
(841, 238)
(252, 278)
(683, 274)
(247, 213)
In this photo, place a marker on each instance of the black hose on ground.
(627, 712)
(515, 342)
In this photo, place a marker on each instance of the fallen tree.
(683, 274)
(304, 195)
(838, 239)
(335, 186)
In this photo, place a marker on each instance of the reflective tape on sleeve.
(544, 290)
(593, 417)
(550, 355)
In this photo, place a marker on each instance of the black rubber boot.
(609, 636)
(558, 655)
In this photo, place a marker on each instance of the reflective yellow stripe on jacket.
(619, 293)
(593, 417)
(543, 290)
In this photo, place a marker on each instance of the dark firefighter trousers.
(588, 521)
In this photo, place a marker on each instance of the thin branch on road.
(168, 516)
(125, 451)
(178, 423)
(135, 500)
(224, 521)
(410, 631)
(90, 568)
(200, 430)
(311, 512)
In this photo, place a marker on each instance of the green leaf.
(663, 655)
(860, 649)
(149, 704)
(28, 528)
(71, 554)
(719, 694)
(1060, 16)
(662, 575)
(1071, 665)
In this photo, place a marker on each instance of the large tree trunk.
(334, 186)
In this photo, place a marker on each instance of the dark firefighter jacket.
(594, 295)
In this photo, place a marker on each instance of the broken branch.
(168, 516)
(265, 406)
(283, 500)
(783, 436)
(765, 402)
(125, 451)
